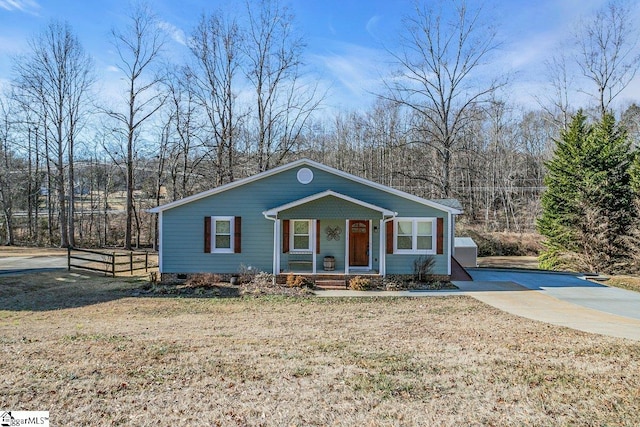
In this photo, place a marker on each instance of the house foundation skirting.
(183, 277)
(376, 278)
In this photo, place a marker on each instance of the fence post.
(131, 263)
(68, 258)
(146, 262)
(113, 264)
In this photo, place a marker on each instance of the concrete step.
(331, 284)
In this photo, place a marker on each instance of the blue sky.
(345, 38)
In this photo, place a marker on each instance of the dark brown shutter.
(317, 236)
(285, 236)
(440, 236)
(237, 235)
(207, 234)
(389, 234)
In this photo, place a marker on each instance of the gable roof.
(274, 211)
(298, 163)
(452, 203)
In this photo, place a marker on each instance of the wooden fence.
(108, 262)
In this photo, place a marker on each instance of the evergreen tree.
(635, 176)
(589, 212)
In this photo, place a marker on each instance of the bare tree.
(7, 181)
(440, 76)
(215, 45)
(139, 47)
(53, 81)
(283, 103)
(561, 81)
(607, 51)
(183, 156)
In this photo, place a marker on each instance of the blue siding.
(332, 247)
(183, 226)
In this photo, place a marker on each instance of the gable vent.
(305, 176)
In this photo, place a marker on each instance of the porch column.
(382, 249)
(346, 246)
(276, 246)
(314, 245)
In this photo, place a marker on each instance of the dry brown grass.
(93, 353)
(525, 262)
(31, 251)
(494, 243)
(631, 283)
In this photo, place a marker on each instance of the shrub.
(360, 283)
(153, 277)
(246, 274)
(298, 281)
(423, 266)
(202, 280)
(262, 280)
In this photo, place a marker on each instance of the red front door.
(358, 243)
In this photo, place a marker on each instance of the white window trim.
(292, 248)
(414, 236)
(231, 248)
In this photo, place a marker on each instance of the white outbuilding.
(466, 251)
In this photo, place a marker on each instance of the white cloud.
(352, 72)
(174, 32)
(27, 6)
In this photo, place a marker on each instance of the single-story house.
(307, 218)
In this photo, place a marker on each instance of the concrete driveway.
(568, 287)
(558, 298)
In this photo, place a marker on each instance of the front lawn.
(96, 351)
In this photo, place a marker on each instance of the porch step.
(331, 284)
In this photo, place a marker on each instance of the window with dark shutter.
(318, 236)
(440, 236)
(237, 235)
(389, 236)
(207, 234)
(285, 236)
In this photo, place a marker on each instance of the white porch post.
(382, 249)
(346, 246)
(160, 247)
(276, 247)
(450, 237)
(314, 245)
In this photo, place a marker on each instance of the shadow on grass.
(173, 291)
(60, 290)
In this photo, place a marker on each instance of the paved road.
(31, 264)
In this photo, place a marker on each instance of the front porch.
(329, 234)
